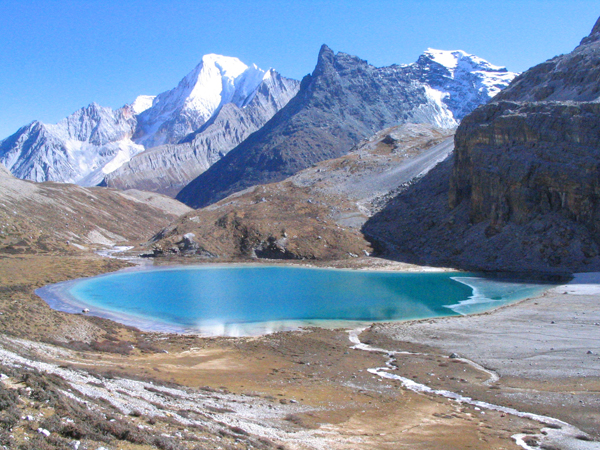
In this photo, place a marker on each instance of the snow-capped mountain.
(218, 105)
(216, 81)
(79, 149)
(95, 140)
(461, 81)
(168, 168)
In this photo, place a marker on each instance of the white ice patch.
(442, 116)
(486, 292)
(447, 58)
(582, 284)
(95, 162)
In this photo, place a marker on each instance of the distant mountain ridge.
(76, 149)
(345, 100)
(96, 140)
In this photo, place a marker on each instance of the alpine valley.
(449, 163)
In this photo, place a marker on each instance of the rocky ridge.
(521, 192)
(213, 108)
(78, 149)
(345, 100)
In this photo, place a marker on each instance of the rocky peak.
(325, 60)
(594, 35)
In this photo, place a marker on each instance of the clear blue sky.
(59, 55)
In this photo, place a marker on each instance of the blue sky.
(57, 56)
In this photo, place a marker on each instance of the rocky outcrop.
(515, 161)
(523, 188)
(344, 100)
(168, 168)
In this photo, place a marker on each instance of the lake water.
(242, 300)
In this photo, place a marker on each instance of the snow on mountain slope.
(168, 168)
(142, 103)
(216, 81)
(463, 81)
(72, 150)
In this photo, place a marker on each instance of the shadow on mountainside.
(419, 227)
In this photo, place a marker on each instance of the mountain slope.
(317, 213)
(43, 217)
(521, 192)
(168, 168)
(343, 101)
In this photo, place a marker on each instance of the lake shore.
(343, 404)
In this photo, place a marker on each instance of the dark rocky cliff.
(522, 191)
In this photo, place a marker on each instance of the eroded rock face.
(518, 160)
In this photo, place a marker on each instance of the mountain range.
(95, 140)
(346, 100)
(161, 143)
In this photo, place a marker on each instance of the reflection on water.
(242, 300)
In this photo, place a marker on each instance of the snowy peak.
(216, 81)
(459, 59)
(462, 81)
(212, 82)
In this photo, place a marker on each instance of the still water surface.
(239, 300)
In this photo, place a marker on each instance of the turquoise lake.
(242, 300)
